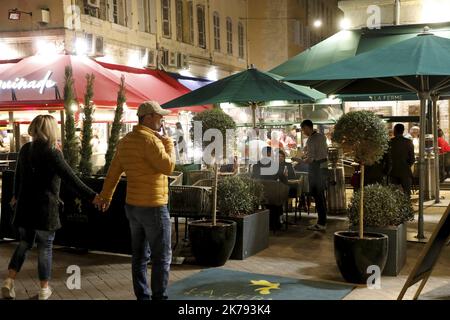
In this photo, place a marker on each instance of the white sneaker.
(45, 293)
(8, 291)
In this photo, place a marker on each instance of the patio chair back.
(275, 192)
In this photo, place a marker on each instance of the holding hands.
(100, 203)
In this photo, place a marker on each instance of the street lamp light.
(345, 24)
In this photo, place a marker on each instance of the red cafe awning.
(37, 82)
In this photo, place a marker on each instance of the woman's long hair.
(44, 128)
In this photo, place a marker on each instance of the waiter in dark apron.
(316, 154)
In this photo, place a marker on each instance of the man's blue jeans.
(44, 240)
(150, 237)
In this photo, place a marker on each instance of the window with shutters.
(216, 21)
(165, 5)
(145, 12)
(119, 12)
(190, 6)
(201, 26)
(229, 36)
(179, 15)
(241, 40)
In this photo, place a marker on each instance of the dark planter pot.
(354, 255)
(397, 247)
(212, 245)
(252, 234)
(84, 227)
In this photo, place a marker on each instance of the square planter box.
(397, 247)
(252, 234)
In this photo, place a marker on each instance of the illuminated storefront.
(35, 85)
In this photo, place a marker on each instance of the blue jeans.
(44, 240)
(150, 237)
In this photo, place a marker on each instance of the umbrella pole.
(423, 103)
(435, 99)
(254, 115)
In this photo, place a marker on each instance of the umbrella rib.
(405, 84)
(441, 85)
(407, 87)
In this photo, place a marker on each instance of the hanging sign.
(23, 84)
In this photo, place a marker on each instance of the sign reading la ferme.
(23, 84)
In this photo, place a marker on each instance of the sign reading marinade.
(22, 83)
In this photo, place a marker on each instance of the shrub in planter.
(239, 199)
(363, 136)
(383, 206)
(238, 196)
(386, 210)
(213, 241)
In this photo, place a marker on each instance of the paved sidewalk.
(295, 253)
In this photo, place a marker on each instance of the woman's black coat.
(37, 181)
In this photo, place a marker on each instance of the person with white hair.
(415, 137)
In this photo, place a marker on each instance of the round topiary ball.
(362, 135)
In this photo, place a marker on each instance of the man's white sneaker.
(8, 291)
(316, 227)
(45, 293)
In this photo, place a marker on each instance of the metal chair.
(189, 202)
(195, 175)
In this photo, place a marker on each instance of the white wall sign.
(22, 84)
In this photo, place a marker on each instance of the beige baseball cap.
(149, 107)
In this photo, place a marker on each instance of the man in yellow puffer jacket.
(146, 157)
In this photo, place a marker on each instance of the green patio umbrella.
(418, 65)
(249, 87)
(349, 43)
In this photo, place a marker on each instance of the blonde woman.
(40, 168)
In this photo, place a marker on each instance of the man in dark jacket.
(401, 158)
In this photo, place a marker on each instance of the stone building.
(205, 38)
(361, 13)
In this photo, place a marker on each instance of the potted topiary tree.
(85, 165)
(386, 210)
(238, 199)
(363, 136)
(213, 240)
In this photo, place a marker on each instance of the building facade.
(362, 13)
(202, 38)
(199, 37)
(280, 29)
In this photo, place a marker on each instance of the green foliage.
(116, 126)
(71, 145)
(215, 119)
(85, 166)
(383, 206)
(238, 195)
(363, 135)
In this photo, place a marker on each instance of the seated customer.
(286, 168)
(444, 156)
(230, 168)
(266, 163)
(258, 173)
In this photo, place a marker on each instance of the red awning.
(141, 84)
